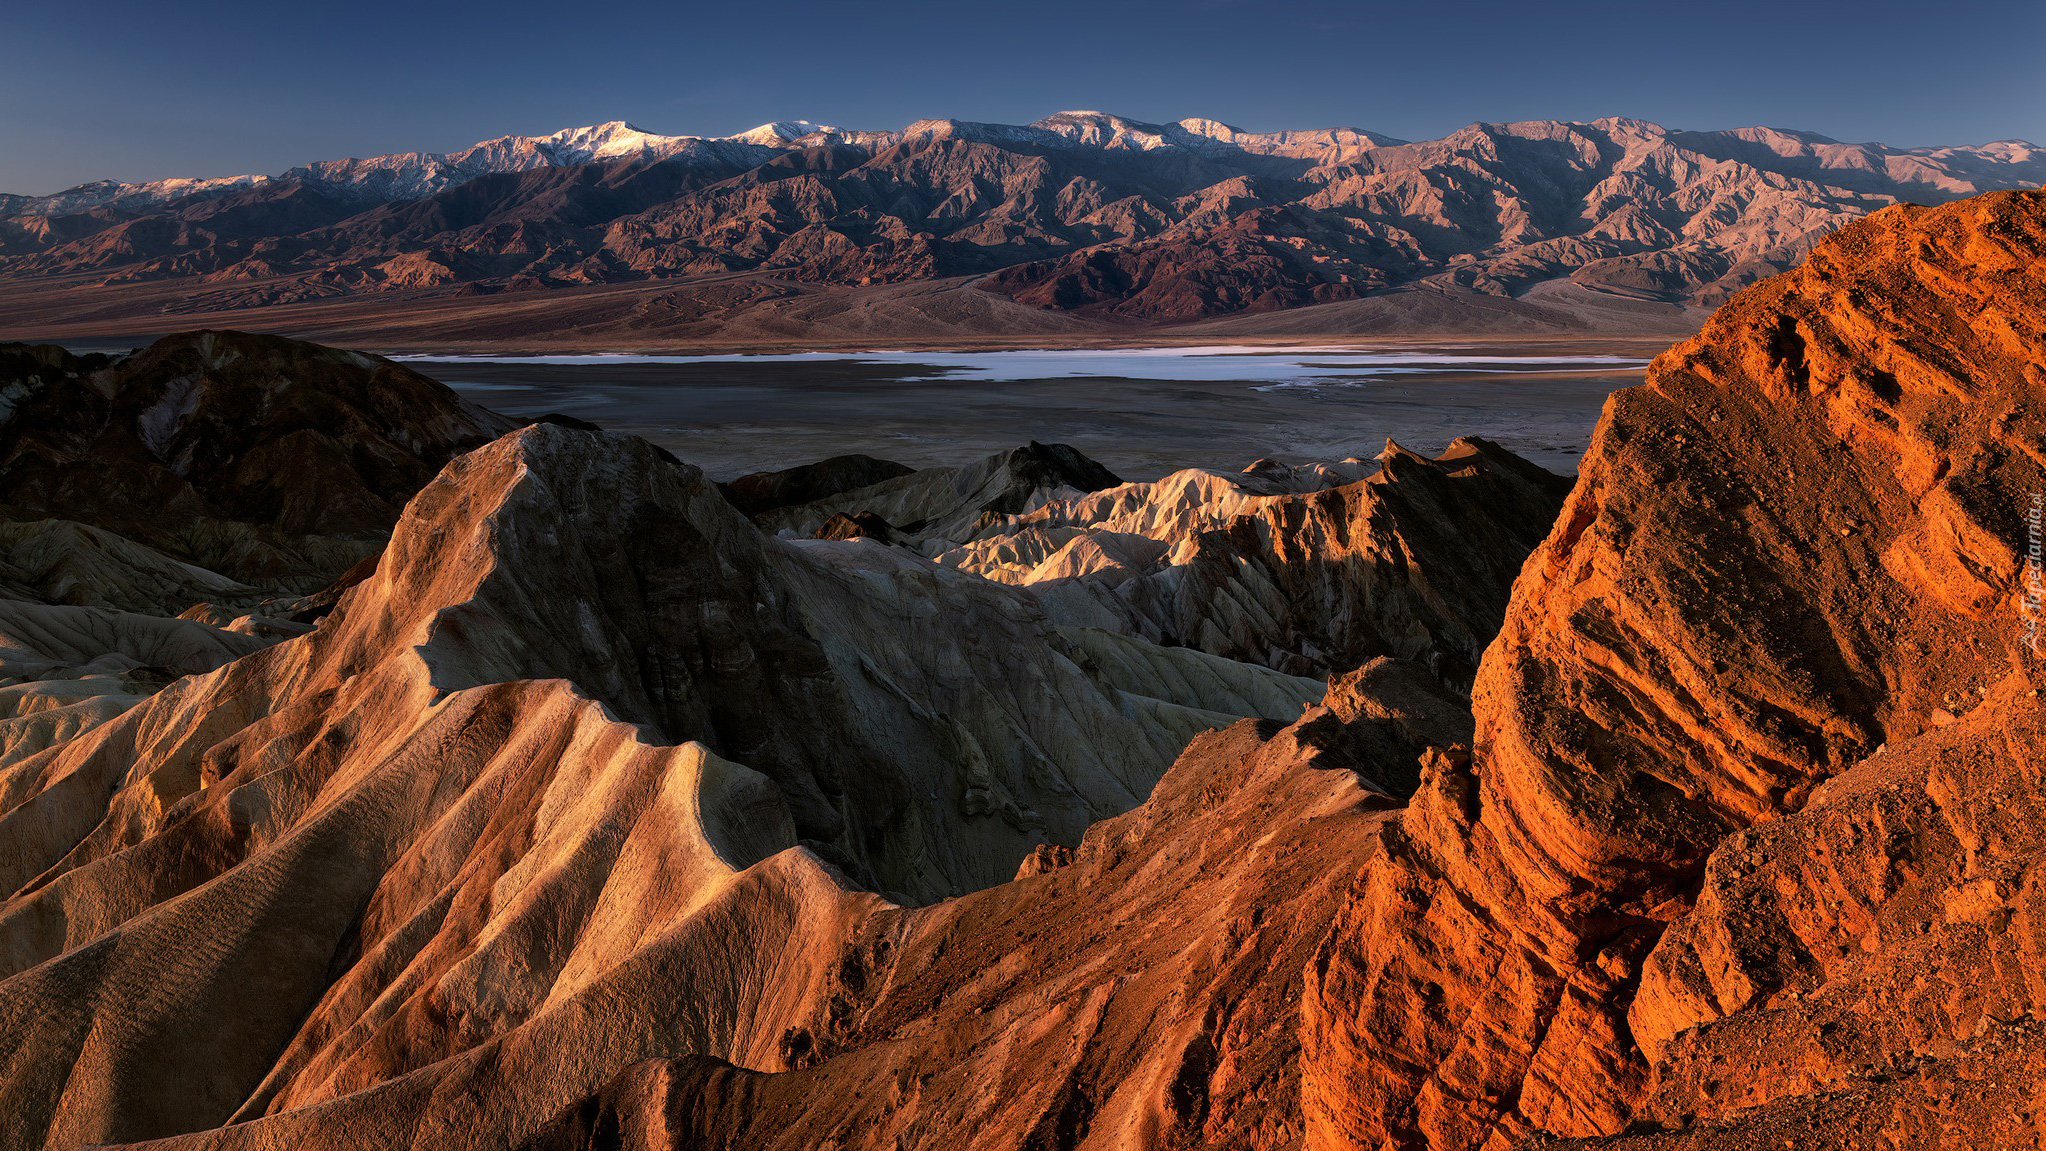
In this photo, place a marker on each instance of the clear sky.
(141, 89)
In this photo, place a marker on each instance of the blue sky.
(140, 89)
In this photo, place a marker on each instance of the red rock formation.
(1798, 542)
(1146, 993)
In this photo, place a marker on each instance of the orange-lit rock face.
(1799, 541)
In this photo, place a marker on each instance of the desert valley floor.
(1144, 412)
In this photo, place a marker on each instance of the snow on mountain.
(412, 175)
(1000, 135)
(782, 132)
(1109, 131)
(132, 197)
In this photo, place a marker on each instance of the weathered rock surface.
(1801, 541)
(1141, 988)
(1312, 570)
(1881, 946)
(570, 827)
(518, 766)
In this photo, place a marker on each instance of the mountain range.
(1081, 223)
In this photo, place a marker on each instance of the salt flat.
(1141, 411)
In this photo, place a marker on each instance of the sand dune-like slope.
(578, 693)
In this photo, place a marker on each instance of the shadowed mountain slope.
(1292, 568)
(263, 459)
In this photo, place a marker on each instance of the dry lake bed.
(1143, 412)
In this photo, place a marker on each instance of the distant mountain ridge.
(1084, 213)
(410, 175)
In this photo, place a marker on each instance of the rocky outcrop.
(1144, 993)
(1802, 541)
(944, 504)
(1296, 569)
(523, 763)
(1143, 986)
(1310, 570)
(1881, 945)
(593, 815)
(283, 463)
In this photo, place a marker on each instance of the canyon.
(377, 770)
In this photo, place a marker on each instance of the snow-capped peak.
(410, 175)
(779, 132)
(1212, 129)
(612, 138)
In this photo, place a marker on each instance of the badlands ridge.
(376, 773)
